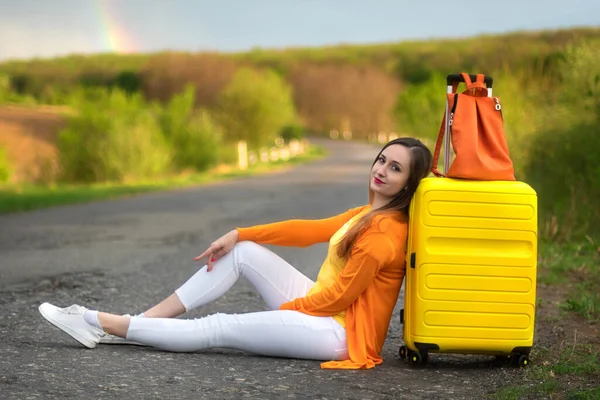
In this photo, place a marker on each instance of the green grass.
(570, 373)
(588, 394)
(32, 197)
(579, 265)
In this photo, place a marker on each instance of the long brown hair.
(420, 166)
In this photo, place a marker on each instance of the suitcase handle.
(454, 78)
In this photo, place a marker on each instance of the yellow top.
(333, 265)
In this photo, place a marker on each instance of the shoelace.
(74, 309)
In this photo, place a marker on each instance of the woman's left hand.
(219, 248)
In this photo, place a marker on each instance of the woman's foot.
(70, 320)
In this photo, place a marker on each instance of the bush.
(564, 168)
(255, 106)
(420, 108)
(292, 131)
(7, 95)
(580, 74)
(4, 86)
(564, 162)
(193, 135)
(5, 169)
(128, 81)
(114, 138)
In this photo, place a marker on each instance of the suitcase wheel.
(518, 360)
(403, 352)
(523, 361)
(417, 358)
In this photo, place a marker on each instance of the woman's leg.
(278, 333)
(275, 280)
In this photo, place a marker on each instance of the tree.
(345, 97)
(255, 106)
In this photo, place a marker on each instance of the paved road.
(124, 255)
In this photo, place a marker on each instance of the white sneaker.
(70, 320)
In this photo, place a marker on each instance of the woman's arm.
(297, 232)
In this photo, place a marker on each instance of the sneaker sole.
(87, 343)
(120, 341)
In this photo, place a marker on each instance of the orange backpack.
(473, 121)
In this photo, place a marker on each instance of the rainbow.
(114, 36)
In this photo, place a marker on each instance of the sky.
(49, 28)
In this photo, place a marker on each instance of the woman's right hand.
(219, 248)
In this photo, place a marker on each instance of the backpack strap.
(438, 147)
(476, 88)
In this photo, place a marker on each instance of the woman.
(342, 318)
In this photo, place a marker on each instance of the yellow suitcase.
(471, 270)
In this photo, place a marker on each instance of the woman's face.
(390, 171)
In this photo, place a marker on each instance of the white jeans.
(277, 333)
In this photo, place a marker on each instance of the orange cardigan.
(366, 289)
